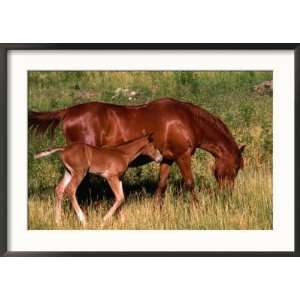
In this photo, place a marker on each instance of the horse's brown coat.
(108, 162)
(178, 129)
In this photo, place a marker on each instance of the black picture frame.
(4, 48)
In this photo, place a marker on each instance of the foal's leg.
(71, 190)
(59, 193)
(116, 186)
(164, 172)
(185, 166)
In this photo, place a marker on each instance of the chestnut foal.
(110, 162)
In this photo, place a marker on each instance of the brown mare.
(108, 162)
(178, 129)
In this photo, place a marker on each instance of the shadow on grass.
(94, 189)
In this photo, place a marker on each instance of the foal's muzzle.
(159, 159)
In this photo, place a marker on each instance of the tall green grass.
(229, 95)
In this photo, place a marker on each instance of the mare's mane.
(202, 115)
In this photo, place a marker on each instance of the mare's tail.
(41, 121)
(48, 152)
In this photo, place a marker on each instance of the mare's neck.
(213, 135)
(220, 148)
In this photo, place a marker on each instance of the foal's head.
(151, 151)
(227, 167)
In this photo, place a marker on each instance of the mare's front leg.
(185, 166)
(71, 191)
(116, 186)
(164, 172)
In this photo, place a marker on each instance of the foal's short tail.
(43, 121)
(48, 152)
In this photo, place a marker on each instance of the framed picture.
(149, 150)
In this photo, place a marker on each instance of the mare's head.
(227, 167)
(151, 151)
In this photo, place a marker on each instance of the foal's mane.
(126, 143)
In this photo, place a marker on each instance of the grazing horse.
(178, 129)
(108, 162)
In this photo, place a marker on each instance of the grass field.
(230, 95)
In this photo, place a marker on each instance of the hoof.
(58, 221)
(157, 204)
(84, 223)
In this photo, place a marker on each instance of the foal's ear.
(242, 148)
(150, 137)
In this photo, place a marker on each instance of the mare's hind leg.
(71, 191)
(185, 166)
(164, 172)
(116, 186)
(59, 193)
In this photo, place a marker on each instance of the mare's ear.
(242, 148)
